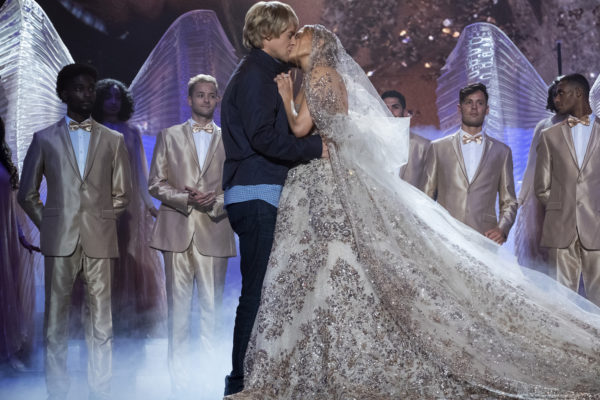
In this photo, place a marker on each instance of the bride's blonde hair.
(267, 19)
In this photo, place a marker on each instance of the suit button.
(579, 180)
(83, 186)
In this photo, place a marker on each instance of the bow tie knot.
(86, 125)
(572, 121)
(472, 138)
(208, 128)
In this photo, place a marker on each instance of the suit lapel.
(459, 155)
(63, 134)
(92, 148)
(486, 151)
(569, 140)
(187, 130)
(593, 143)
(216, 137)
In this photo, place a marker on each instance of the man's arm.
(543, 171)
(158, 184)
(258, 120)
(31, 178)
(121, 178)
(506, 195)
(429, 179)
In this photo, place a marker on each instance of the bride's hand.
(285, 86)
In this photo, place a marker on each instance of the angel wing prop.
(194, 44)
(517, 103)
(31, 54)
(595, 97)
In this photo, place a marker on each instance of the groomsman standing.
(87, 173)
(192, 229)
(468, 170)
(567, 182)
(412, 171)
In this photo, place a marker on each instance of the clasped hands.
(496, 235)
(200, 200)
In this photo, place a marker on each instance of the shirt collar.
(271, 64)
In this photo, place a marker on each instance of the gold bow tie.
(472, 138)
(208, 128)
(86, 125)
(572, 121)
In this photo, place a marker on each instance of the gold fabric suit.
(196, 242)
(571, 196)
(473, 203)
(412, 171)
(78, 234)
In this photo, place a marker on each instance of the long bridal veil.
(463, 302)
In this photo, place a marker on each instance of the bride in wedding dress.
(373, 291)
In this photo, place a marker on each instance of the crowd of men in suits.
(467, 171)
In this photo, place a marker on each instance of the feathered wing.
(517, 104)
(31, 54)
(194, 44)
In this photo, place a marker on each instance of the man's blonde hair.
(201, 78)
(267, 19)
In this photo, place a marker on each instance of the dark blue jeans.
(254, 223)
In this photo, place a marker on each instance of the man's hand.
(496, 235)
(199, 199)
(325, 151)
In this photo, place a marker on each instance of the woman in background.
(139, 300)
(17, 284)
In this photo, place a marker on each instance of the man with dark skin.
(567, 177)
(86, 168)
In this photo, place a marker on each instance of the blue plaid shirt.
(264, 192)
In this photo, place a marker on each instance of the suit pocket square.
(554, 205)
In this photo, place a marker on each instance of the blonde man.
(192, 229)
(259, 148)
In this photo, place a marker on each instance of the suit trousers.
(569, 264)
(254, 222)
(181, 271)
(98, 325)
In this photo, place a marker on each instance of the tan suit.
(195, 242)
(571, 196)
(412, 171)
(78, 234)
(473, 203)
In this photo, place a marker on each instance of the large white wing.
(595, 97)
(31, 54)
(517, 103)
(194, 44)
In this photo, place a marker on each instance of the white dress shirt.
(80, 140)
(202, 140)
(472, 153)
(581, 138)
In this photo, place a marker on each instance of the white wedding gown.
(374, 292)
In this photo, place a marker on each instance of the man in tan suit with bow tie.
(468, 170)
(86, 168)
(567, 182)
(412, 171)
(192, 229)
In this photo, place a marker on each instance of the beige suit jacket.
(412, 171)
(174, 166)
(571, 195)
(76, 207)
(472, 203)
